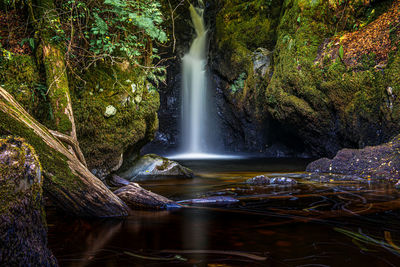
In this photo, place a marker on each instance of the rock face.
(23, 233)
(264, 180)
(323, 92)
(377, 162)
(154, 167)
(138, 198)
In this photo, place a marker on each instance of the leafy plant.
(239, 83)
(114, 31)
(341, 52)
(30, 41)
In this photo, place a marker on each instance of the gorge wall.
(296, 77)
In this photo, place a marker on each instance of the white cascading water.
(198, 128)
(194, 94)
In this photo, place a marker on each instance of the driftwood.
(137, 197)
(67, 180)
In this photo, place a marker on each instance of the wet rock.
(155, 167)
(137, 197)
(332, 178)
(262, 61)
(378, 162)
(283, 181)
(264, 180)
(23, 233)
(259, 180)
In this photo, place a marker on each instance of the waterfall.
(198, 127)
(195, 104)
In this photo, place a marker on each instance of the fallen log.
(66, 179)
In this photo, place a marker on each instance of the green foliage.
(341, 52)
(239, 83)
(114, 31)
(31, 42)
(119, 28)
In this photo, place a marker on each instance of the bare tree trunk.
(67, 180)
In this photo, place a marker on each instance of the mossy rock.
(105, 139)
(23, 237)
(19, 75)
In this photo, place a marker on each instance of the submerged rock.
(265, 180)
(23, 233)
(155, 167)
(379, 162)
(219, 200)
(137, 197)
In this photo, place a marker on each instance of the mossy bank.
(331, 76)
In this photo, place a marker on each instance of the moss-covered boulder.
(23, 231)
(106, 133)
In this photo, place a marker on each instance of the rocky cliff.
(315, 76)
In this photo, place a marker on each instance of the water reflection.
(319, 222)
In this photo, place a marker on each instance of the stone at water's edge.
(376, 162)
(265, 180)
(138, 198)
(23, 233)
(151, 166)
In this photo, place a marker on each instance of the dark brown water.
(329, 223)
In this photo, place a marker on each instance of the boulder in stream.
(265, 180)
(374, 162)
(153, 167)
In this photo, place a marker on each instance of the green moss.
(102, 139)
(58, 175)
(20, 77)
(18, 183)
